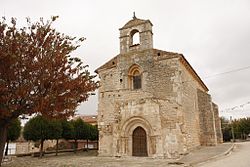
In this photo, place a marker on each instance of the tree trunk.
(41, 148)
(7, 147)
(87, 144)
(75, 147)
(57, 147)
(3, 138)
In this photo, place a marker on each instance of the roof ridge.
(134, 22)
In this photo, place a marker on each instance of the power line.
(235, 107)
(222, 73)
(228, 72)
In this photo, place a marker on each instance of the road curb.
(213, 157)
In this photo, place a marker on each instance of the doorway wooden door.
(139, 142)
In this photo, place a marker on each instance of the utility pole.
(232, 128)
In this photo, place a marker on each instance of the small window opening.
(120, 80)
(158, 53)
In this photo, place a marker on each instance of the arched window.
(135, 77)
(134, 37)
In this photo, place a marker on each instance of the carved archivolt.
(129, 126)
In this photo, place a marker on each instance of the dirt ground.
(90, 159)
(84, 159)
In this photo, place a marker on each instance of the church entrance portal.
(139, 142)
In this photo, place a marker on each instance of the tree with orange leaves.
(38, 74)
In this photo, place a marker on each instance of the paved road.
(240, 157)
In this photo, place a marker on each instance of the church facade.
(152, 102)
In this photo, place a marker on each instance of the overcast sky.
(213, 35)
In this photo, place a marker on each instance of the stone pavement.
(83, 159)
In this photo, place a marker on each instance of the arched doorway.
(139, 142)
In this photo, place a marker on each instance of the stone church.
(152, 102)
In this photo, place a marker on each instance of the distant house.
(21, 146)
(90, 119)
(248, 137)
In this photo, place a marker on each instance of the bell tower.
(136, 35)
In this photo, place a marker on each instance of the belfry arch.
(134, 37)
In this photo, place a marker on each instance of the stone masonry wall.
(175, 122)
(207, 119)
(182, 114)
(118, 103)
(217, 124)
(188, 96)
